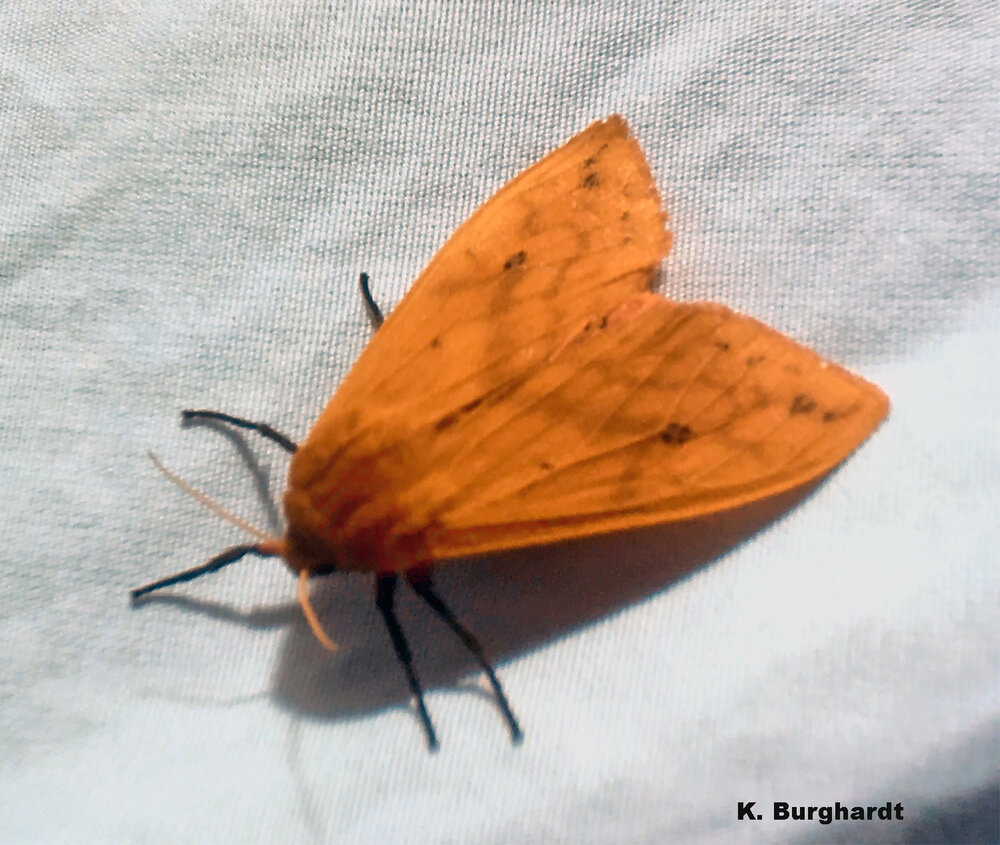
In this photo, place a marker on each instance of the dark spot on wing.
(435, 342)
(447, 421)
(754, 360)
(529, 225)
(721, 344)
(591, 180)
(590, 161)
(833, 416)
(516, 260)
(499, 394)
(545, 465)
(625, 216)
(493, 397)
(676, 434)
(590, 326)
(802, 404)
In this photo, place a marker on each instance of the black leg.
(220, 560)
(374, 312)
(263, 429)
(385, 588)
(420, 581)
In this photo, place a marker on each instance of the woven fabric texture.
(188, 191)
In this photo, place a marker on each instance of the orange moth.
(531, 388)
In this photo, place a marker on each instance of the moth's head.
(305, 551)
(307, 546)
(302, 548)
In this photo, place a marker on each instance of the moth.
(532, 388)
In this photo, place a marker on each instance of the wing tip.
(617, 124)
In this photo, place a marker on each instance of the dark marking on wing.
(590, 161)
(447, 421)
(802, 404)
(833, 416)
(676, 434)
(721, 344)
(502, 392)
(435, 342)
(516, 260)
(754, 360)
(493, 397)
(591, 180)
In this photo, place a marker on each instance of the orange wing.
(529, 390)
(574, 234)
(653, 413)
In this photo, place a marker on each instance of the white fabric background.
(188, 190)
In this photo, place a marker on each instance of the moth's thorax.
(346, 508)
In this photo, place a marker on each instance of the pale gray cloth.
(188, 191)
